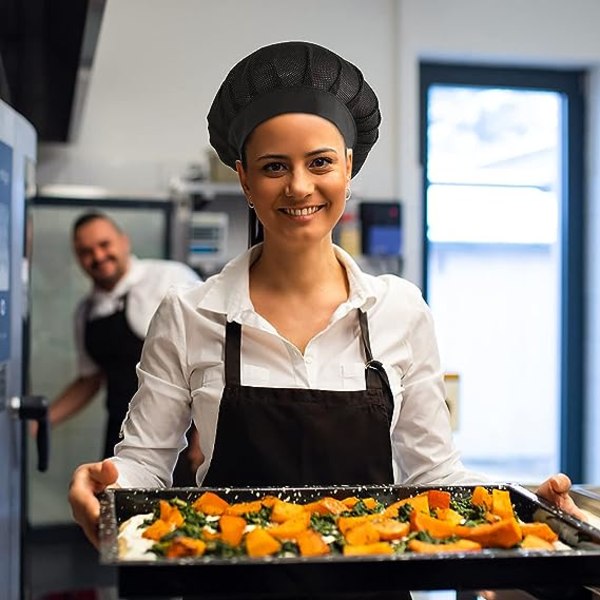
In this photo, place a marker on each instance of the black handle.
(36, 408)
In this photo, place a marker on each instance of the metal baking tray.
(336, 575)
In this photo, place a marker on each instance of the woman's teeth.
(301, 212)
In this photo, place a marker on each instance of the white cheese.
(132, 546)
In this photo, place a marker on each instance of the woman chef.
(296, 367)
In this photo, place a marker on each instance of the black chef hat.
(293, 77)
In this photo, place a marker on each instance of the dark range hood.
(43, 46)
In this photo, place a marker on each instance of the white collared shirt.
(145, 284)
(181, 372)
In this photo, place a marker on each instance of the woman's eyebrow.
(321, 150)
(284, 156)
(272, 157)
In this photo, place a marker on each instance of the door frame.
(570, 83)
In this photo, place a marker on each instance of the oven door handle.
(35, 408)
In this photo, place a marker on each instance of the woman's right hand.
(88, 480)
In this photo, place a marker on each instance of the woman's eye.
(321, 161)
(274, 167)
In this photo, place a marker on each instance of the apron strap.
(376, 377)
(233, 338)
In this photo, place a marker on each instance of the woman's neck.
(298, 291)
(292, 271)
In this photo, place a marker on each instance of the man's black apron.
(302, 437)
(116, 349)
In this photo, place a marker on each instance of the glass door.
(501, 231)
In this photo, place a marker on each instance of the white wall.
(159, 63)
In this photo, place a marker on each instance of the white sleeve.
(160, 411)
(422, 440)
(85, 364)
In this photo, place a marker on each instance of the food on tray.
(430, 522)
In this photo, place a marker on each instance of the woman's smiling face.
(297, 169)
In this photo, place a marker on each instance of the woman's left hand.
(556, 490)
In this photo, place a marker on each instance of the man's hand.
(88, 480)
(556, 490)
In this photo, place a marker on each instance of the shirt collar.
(229, 293)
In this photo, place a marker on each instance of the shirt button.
(308, 359)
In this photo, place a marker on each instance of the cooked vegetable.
(430, 522)
(458, 546)
(260, 543)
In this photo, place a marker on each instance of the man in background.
(111, 323)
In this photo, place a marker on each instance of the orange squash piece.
(344, 524)
(481, 497)
(366, 533)
(269, 501)
(438, 499)
(311, 543)
(418, 503)
(158, 529)
(449, 515)
(501, 504)
(210, 503)
(232, 529)
(243, 508)
(434, 527)
(260, 543)
(352, 501)
(326, 506)
(170, 514)
(364, 549)
(458, 546)
(533, 542)
(290, 529)
(503, 534)
(540, 530)
(390, 529)
(282, 511)
(185, 546)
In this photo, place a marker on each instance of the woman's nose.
(299, 185)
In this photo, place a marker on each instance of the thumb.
(560, 484)
(109, 471)
(103, 474)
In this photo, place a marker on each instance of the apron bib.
(297, 437)
(116, 349)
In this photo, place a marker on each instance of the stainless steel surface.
(587, 498)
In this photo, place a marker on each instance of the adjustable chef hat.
(293, 77)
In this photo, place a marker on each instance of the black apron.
(297, 437)
(301, 437)
(116, 349)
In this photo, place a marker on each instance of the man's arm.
(74, 397)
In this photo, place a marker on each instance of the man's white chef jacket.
(145, 284)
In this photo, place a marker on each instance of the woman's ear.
(349, 156)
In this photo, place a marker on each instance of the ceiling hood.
(46, 48)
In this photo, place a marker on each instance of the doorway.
(503, 261)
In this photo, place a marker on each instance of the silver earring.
(348, 193)
(250, 205)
